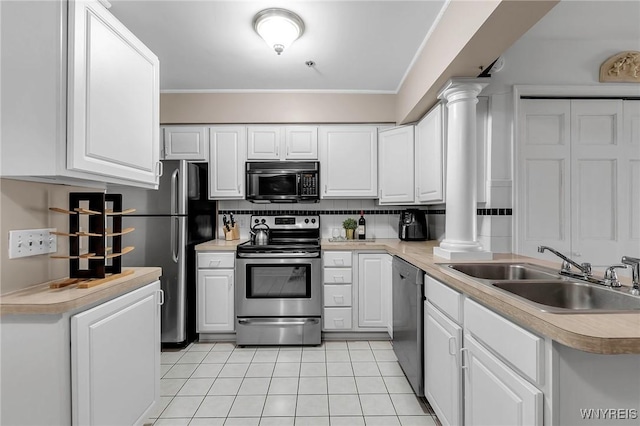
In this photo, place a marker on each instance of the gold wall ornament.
(623, 67)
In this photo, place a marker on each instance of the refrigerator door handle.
(175, 240)
(175, 176)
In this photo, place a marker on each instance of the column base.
(462, 255)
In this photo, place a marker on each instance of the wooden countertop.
(219, 245)
(40, 299)
(596, 333)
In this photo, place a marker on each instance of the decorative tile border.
(306, 212)
(480, 212)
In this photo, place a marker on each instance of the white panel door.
(443, 373)
(301, 142)
(115, 359)
(113, 101)
(543, 194)
(396, 165)
(596, 159)
(184, 143)
(494, 394)
(629, 181)
(215, 301)
(429, 159)
(372, 290)
(263, 142)
(349, 161)
(227, 154)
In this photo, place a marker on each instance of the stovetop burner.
(289, 236)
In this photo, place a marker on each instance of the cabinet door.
(543, 202)
(349, 158)
(227, 154)
(215, 300)
(443, 374)
(301, 142)
(113, 100)
(598, 168)
(429, 159)
(115, 359)
(396, 165)
(495, 394)
(374, 282)
(184, 143)
(630, 178)
(263, 142)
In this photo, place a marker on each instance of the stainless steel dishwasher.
(408, 306)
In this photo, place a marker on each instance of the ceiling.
(364, 46)
(358, 46)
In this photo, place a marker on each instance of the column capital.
(461, 88)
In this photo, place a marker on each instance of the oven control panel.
(287, 221)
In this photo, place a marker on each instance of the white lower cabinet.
(115, 358)
(94, 365)
(374, 283)
(480, 368)
(337, 289)
(443, 375)
(215, 293)
(494, 393)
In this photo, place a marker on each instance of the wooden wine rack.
(100, 208)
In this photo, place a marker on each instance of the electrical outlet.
(32, 242)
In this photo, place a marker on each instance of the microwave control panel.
(309, 184)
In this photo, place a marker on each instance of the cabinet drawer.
(444, 297)
(216, 260)
(337, 258)
(337, 295)
(513, 343)
(337, 275)
(337, 318)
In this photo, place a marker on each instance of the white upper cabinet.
(396, 165)
(88, 111)
(301, 142)
(282, 143)
(429, 158)
(227, 154)
(263, 143)
(113, 110)
(184, 143)
(349, 161)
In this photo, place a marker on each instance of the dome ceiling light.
(278, 27)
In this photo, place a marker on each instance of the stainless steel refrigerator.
(168, 224)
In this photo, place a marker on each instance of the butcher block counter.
(40, 299)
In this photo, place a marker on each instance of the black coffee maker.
(413, 225)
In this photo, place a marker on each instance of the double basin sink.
(547, 290)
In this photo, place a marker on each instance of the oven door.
(278, 287)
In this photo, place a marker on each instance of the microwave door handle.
(298, 184)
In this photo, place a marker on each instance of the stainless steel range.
(279, 283)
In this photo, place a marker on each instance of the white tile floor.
(338, 383)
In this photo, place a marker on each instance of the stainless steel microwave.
(283, 182)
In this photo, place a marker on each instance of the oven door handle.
(283, 322)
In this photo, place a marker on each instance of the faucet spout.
(584, 268)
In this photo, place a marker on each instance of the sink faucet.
(584, 268)
(634, 262)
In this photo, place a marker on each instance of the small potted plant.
(350, 226)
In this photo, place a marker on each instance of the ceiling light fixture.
(278, 27)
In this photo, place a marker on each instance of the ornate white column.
(460, 241)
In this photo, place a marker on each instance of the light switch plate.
(32, 242)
